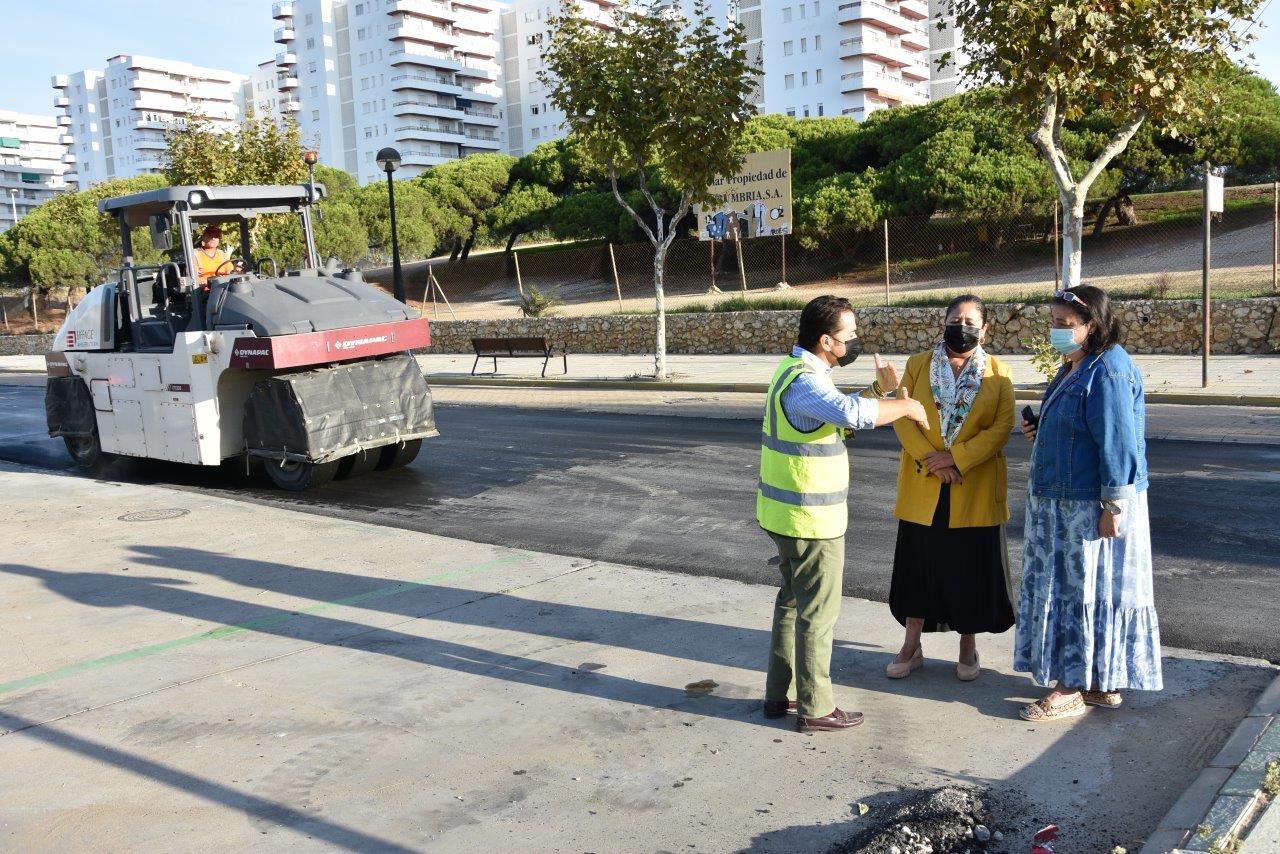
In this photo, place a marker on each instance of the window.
(804, 45)
(309, 19)
(804, 78)
(311, 44)
(536, 38)
(819, 109)
(359, 8)
(363, 31)
(787, 48)
(533, 86)
(802, 11)
(791, 112)
(533, 111)
(535, 132)
(311, 68)
(789, 82)
(817, 79)
(315, 91)
(817, 42)
(786, 15)
(815, 8)
(806, 111)
(315, 115)
(533, 63)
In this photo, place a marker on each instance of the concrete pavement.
(270, 679)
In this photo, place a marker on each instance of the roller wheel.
(298, 475)
(86, 451)
(395, 456)
(359, 463)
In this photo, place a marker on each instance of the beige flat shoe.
(968, 672)
(1042, 711)
(902, 669)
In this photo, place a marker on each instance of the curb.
(639, 384)
(761, 388)
(1222, 801)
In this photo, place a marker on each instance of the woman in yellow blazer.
(950, 570)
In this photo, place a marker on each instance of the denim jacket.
(1091, 441)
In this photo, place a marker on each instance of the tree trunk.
(457, 248)
(1104, 212)
(471, 241)
(660, 342)
(1072, 240)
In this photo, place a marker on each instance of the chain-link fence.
(1148, 246)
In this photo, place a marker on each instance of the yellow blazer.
(978, 451)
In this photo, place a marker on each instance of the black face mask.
(852, 349)
(960, 337)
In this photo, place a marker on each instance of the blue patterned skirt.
(1086, 614)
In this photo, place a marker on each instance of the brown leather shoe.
(838, 721)
(778, 708)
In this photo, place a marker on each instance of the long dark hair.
(1097, 307)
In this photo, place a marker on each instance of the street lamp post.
(310, 158)
(13, 204)
(389, 160)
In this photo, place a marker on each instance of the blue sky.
(65, 36)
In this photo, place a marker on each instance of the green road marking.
(251, 625)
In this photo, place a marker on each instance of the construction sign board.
(753, 202)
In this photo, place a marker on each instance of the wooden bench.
(517, 348)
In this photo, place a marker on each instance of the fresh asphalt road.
(677, 493)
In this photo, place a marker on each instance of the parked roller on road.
(307, 370)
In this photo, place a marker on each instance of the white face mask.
(1064, 341)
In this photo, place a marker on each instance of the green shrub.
(535, 303)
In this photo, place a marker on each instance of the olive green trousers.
(804, 622)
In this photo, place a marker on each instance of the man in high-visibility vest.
(800, 503)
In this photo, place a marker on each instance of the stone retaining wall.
(1162, 326)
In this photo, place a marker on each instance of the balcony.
(476, 116)
(64, 121)
(424, 82)
(917, 72)
(879, 15)
(476, 93)
(477, 72)
(69, 158)
(284, 35)
(286, 59)
(291, 106)
(885, 86)
(424, 32)
(483, 141)
(151, 142)
(485, 46)
(61, 81)
(429, 133)
(886, 50)
(280, 11)
(916, 10)
(151, 124)
(417, 157)
(422, 107)
(424, 57)
(66, 139)
(916, 39)
(284, 84)
(432, 9)
(62, 101)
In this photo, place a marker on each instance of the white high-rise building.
(418, 75)
(260, 93)
(31, 163)
(531, 117)
(117, 117)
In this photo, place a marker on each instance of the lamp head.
(311, 158)
(388, 159)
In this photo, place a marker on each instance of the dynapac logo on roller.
(360, 342)
(244, 353)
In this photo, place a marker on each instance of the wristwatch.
(1115, 508)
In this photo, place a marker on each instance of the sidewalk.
(1233, 380)
(181, 667)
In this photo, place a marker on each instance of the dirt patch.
(948, 820)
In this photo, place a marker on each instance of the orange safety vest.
(206, 266)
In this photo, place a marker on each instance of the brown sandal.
(1042, 711)
(1105, 699)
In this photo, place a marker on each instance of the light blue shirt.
(812, 399)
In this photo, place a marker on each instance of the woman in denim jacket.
(1086, 615)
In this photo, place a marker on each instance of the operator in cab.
(210, 259)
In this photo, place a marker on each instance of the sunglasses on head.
(1071, 296)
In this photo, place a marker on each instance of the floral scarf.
(953, 394)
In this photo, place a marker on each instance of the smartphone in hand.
(1030, 417)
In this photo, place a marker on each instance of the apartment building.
(31, 163)
(944, 81)
(260, 93)
(418, 75)
(117, 117)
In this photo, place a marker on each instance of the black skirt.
(955, 579)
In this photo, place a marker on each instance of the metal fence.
(1151, 246)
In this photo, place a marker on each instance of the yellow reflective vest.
(804, 477)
